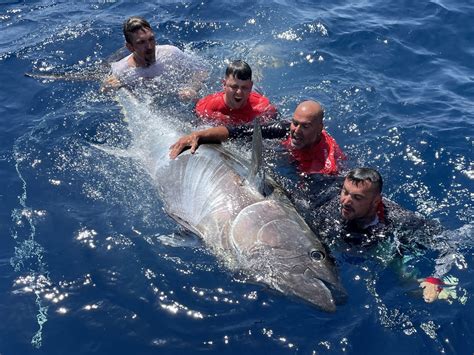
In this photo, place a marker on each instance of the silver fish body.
(261, 236)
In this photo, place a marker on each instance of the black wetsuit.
(409, 227)
(401, 236)
(271, 130)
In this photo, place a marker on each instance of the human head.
(237, 84)
(140, 40)
(361, 194)
(307, 124)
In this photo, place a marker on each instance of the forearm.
(197, 79)
(211, 116)
(193, 140)
(212, 135)
(189, 90)
(269, 130)
(269, 114)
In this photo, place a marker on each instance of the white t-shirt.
(172, 65)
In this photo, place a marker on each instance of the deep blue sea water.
(90, 263)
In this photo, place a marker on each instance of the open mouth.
(296, 141)
(150, 56)
(346, 210)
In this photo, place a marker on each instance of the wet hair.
(132, 25)
(360, 175)
(239, 70)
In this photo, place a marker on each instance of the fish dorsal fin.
(256, 176)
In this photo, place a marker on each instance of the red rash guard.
(214, 109)
(320, 158)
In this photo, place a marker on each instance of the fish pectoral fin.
(181, 221)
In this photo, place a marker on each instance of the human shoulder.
(173, 57)
(328, 140)
(119, 67)
(335, 153)
(258, 99)
(167, 52)
(262, 106)
(212, 101)
(168, 48)
(410, 226)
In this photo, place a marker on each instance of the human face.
(143, 47)
(305, 129)
(236, 92)
(359, 202)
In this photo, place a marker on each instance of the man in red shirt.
(237, 104)
(314, 150)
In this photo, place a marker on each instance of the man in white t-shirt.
(163, 63)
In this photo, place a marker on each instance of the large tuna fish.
(243, 217)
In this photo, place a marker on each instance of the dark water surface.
(90, 263)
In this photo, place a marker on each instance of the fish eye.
(317, 255)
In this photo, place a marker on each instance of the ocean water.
(91, 264)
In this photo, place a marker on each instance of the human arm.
(191, 89)
(270, 130)
(221, 133)
(448, 246)
(211, 135)
(441, 285)
(422, 243)
(269, 113)
(114, 79)
(194, 72)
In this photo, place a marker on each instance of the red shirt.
(214, 109)
(320, 158)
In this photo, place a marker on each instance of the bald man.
(307, 125)
(313, 149)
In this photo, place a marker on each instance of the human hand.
(431, 288)
(191, 140)
(187, 94)
(110, 83)
(445, 289)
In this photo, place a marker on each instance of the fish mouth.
(316, 290)
(334, 287)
